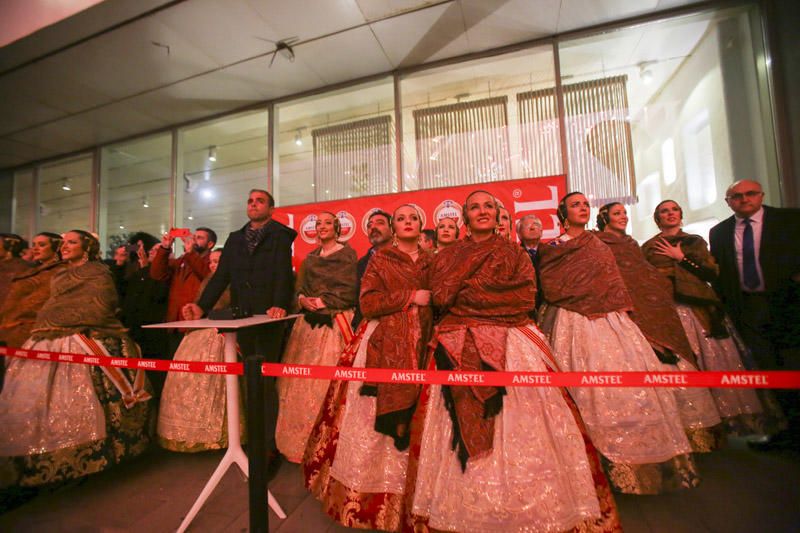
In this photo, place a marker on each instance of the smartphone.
(180, 232)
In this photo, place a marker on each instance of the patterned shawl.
(332, 278)
(483, 288)
(402, 334)
(27, 294)
(9, 269)
(653, 305)
(581, 275)
(82, 299)
(691, 285)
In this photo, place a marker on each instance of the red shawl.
(581, 275)
(483, 288)
(403, 331)
(653, 305)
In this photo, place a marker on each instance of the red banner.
(537, 196)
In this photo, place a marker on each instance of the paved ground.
(742, 491)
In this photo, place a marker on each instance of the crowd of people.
(394, 456)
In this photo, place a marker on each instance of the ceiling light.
(189, 216)
(212, 153)
(145, 203)
(66, 185)
(121, 226)
(207, 194)
(298, 139)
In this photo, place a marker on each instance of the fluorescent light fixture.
(145, 203)
(298, 139)
(212, 153)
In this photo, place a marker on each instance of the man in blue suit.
(759, 263)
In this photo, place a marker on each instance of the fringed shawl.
(581, 275)
(400, 339)
(27, 294)
(332, 278)
(653, 305)
(82, 299)
(483, 288)
(690, 281)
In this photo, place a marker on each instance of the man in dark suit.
(756, 250)
(257, 264)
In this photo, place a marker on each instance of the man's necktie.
(749, 271)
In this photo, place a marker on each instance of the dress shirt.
(757, 223)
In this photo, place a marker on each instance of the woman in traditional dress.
(30, 290)
(638, 431)
(447, 233)
(655, 314)
(357, 456)
(191, 416)
(685, 260)
(66, 420)
(326, 296)
(495, 458)
(11, 264)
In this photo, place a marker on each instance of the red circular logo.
(448, 209)
(348, 225)
(308, 229)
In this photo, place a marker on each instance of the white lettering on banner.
(665, 379)
(119, 362)
(179, 366)
(532, 380)
(45, 356)
(415, 377)
(744, 380)
(146, 364)
(350, 374)
(91, 360)
(464, 378)
(22, 353)
(601, 380)
(66, 357)
(296, 371)
(215, 368)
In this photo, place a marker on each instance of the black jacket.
(260, 280)
(778, 257)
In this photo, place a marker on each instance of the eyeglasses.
(739, 196)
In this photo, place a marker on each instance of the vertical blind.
(598, 132)
(462, 143)
(353, 159)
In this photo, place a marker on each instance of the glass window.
(65, 195)
(485, 120)
(686, 121)
(337, 145)
(23, 202)
(135, 189)
(219, 162)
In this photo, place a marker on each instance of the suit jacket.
(778, 257)
(260, 280)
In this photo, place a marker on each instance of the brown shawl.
(9, 269)
(581, 275)
(690, 281)
(82, 299)
(653, 305)
(27, 294)
(223, 301)
(402, 334)
(332, 278)
(483, 288)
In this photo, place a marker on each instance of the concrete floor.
(741, 491)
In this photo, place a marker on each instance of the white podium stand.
(234, 454)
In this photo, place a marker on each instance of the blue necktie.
(749, 271)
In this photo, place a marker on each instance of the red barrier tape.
(757, 380)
